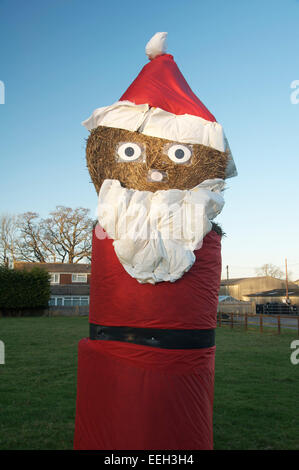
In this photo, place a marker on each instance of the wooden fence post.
(261, 323)
(232, 320)
(219, 318)
(278, 324)
(246, 321)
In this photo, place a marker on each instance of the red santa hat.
(160, 103)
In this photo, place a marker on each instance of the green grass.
(256, 391)
(256, 386)
(38, 381)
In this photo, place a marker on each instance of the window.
(84, 300)
(55, 278)
(68, 301)
(79, 277)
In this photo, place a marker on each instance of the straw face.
(162, 164)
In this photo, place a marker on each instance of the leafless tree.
(269, 269)
(8, 237)
(68, 231)
(30, 244)
(63, 237)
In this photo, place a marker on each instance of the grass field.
(256, 386)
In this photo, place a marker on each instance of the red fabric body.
(161, 84)
(133, 397)
(117, 299)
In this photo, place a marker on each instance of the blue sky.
(61, 59)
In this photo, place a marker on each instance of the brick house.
(69, 282)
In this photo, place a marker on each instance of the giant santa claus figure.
(158, 160)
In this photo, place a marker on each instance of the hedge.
(21, 290)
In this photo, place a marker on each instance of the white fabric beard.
(155, 234)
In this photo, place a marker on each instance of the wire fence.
(246, 320)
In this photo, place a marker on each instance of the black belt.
(159, 338)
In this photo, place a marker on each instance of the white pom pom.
(156, 45)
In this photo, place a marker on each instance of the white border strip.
(156, 122)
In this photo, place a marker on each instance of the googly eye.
(129, 151)
(179, 153)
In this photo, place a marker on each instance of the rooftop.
(238, 280)
(227, 298)
(55, 267)
(70, 289)
(275, 293)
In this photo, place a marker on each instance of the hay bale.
(101, 151)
